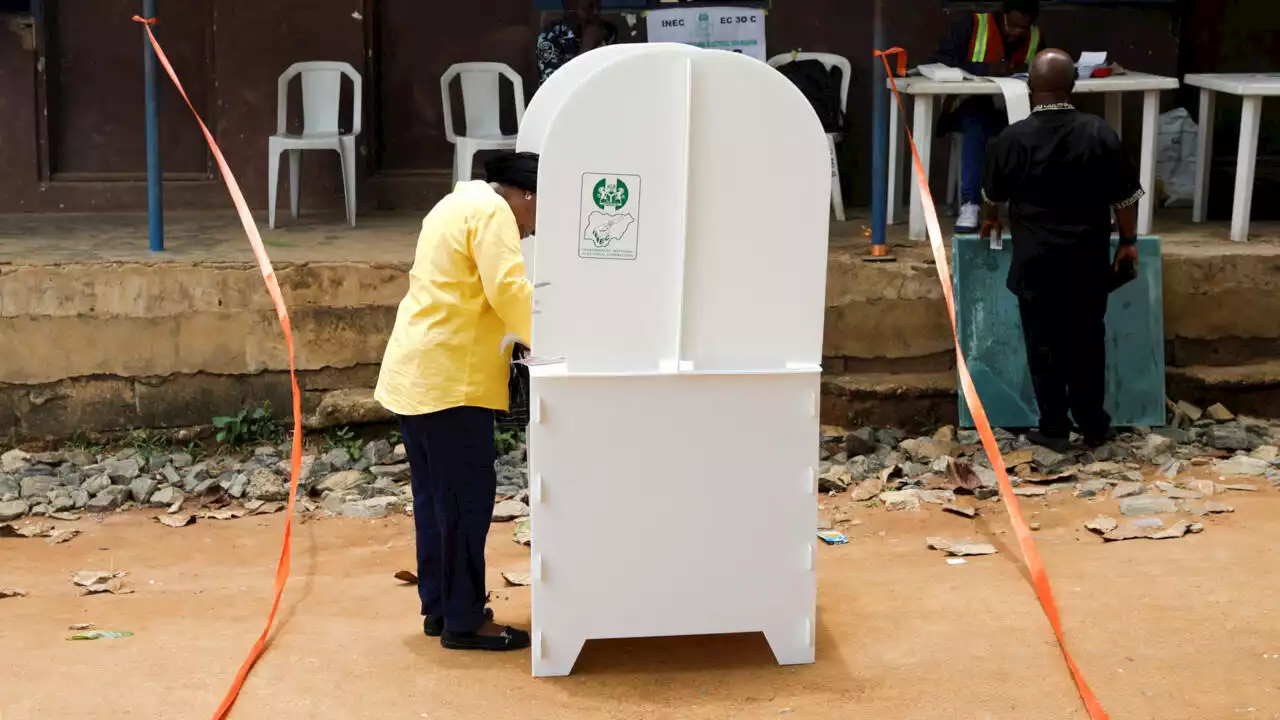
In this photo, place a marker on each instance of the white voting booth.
(681, 268)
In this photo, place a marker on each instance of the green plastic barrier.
(990, 332)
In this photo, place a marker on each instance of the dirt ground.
(1181, 629)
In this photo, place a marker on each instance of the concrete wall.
(98, 347)
(71, 134)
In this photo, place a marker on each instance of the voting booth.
(680, 260)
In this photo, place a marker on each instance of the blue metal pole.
(155, 197)
(879, 135)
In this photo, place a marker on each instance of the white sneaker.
(968, 221)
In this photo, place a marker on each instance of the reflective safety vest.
(987, 45)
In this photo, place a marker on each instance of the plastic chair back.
(321, 96)
(481, 97)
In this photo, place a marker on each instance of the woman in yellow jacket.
(444, 374)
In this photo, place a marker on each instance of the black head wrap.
(517, 170)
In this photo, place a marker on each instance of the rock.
(342, 482)
(889, 436)
(867, 489)
(1155, 446)
(900, 500)
(1180, 528)
(1030, 491)
(109, 499)
(1128, 489)
(337, 458)
(946, 433)
(165, 497)
(509, 510)
(81, 458)
(1216, 507)
(1019, 457)
(1204, 487)
(79, 498)
(1237, 487)
(14, 461)
(61, 502)
(171, 475)
(1196, 528)
(121, 471)
(1242, 466)
(968, 437)
(176, 521)
(354, 406)
(1177, 493)
(196, 474)
(862, 467)
(266, 485)
(1101, 525)
(1230, 437)
(937, 497)
(1147, 505)
(960, 548)
(1194, 507)
(960, 510)
(371, 508)
(181, 460)
(1171, 469)
(1189, 411)
(394, 473)
(398, 455)
(1220, 413)
(926, 450)
(1092, 488)
(986, 493)
(239, 483)
(96, 484)
(12, 510)
(38, 486)
(156, 463)
(1127, 531)
(376, 452)
(1048, 460)
(141, 488)
(1266, 453)
(860, 442)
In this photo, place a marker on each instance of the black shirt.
(1061, 171)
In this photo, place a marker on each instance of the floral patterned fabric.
(559, 43)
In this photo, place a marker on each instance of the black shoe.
(1054, 443)
(433, 625)
(1093, 441)
(510, 639)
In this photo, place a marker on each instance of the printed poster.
(736, 29)
(609, 222)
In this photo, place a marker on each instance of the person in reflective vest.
(986, 45)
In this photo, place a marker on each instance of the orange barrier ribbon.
(1030, 556)
(273, 288)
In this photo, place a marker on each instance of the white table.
(1252, 87)
(926, 91)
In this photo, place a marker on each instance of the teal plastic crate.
(990, 332)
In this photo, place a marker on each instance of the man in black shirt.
(1063, 173)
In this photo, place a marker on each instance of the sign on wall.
(736, 29)
(609, 225)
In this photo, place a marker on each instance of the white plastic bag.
(1176, 157)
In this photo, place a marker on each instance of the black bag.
(822, 87)
(517, 415)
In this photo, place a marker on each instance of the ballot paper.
(944, 73)
(1090, 61)
(1017, 99)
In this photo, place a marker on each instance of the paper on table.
(1088, 61)
(943, 73)
(1017, 99)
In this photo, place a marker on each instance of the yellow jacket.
(467, 291)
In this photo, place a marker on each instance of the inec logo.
(611, 195)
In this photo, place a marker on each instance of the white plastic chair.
(482, 107)
(846, 71)
(321, 97)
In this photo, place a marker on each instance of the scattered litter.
(956, 561)
(521, 534)
(93, 582)
(65, 516)
(961, 547)
(832, 537)
(31, 530)
(407, 577)
(176, 521)
(8, 592)
(81, 626)
(101, 635)
(518, 579)
(1217, 507)
(60, 535)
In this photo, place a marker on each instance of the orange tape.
(1030, 556)
(273, 288)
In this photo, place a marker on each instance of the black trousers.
(1066, 336)
(451, 457)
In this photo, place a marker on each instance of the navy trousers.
(1066, 337)
(451, 457)
(979, 121)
